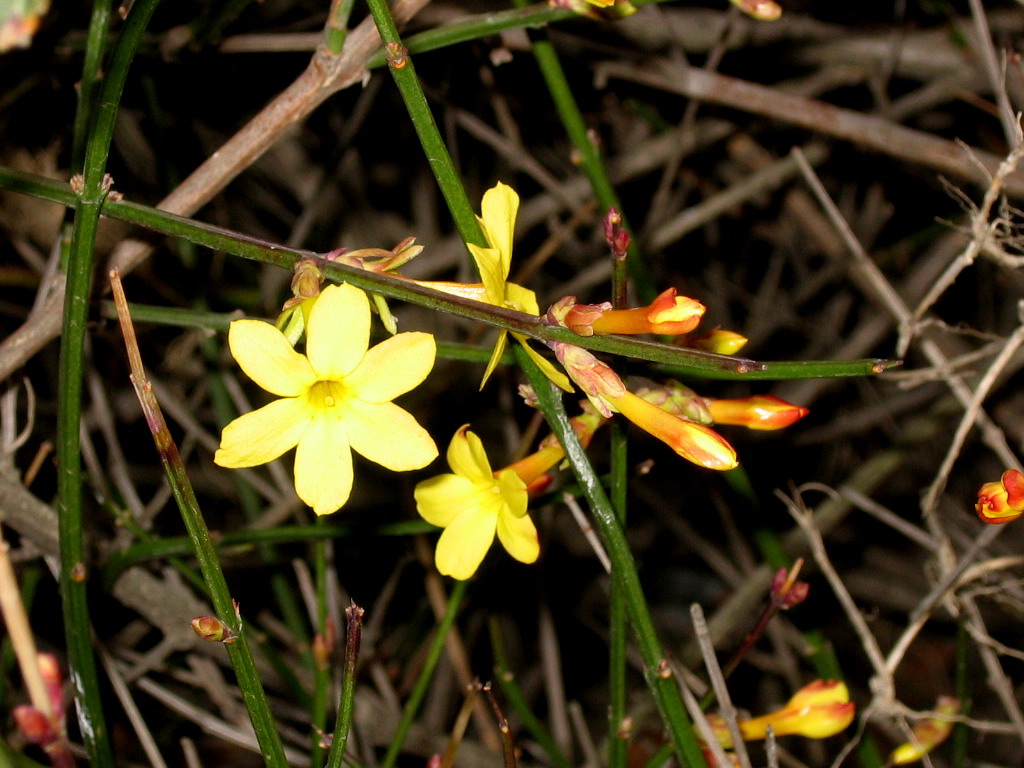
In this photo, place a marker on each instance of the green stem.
(618, 735)
(656, 668)
(74, 600)
(589, 154)
(321, 665)
(404, 73)
(673, 360)
(419, 690)
(336, 29)
(99, 26)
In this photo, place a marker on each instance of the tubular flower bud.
(667, 315)
(718, 341)
(694, 442)
(600, 10)
(763, 412)
(786, 589)
(1003, 500)
(817, 711)
(928, 734)
(49, 670)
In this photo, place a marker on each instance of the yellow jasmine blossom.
(473, 503)
(335, 399)
(498, 220)
(928, 734)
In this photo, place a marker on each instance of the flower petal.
(393, 367)
(519, 537)
(498, 218)
(552, 374)
(492, 273)
(323, 466)
(465, 541)
(441, 499)
(264, 434)
(388, 435)
(512, 490)
(496, 353)
(467, 457)
(338, 331)
(267, 358)
(521, 299)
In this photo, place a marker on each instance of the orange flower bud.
(667, 315)
(536, 465)
(679, 400)
(758, 412)
(694, 442)
(719, 341)
(49, 670)
(817, 711)
(1003, 500)
(928, 734)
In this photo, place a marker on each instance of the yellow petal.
(498, 217)
(496, 353)
(338, 332)
(465, 541)
(323, 466)
(521, 299)
(492, 272)
(264, 434)
(552, 374)
(467, 457)
(393, 367)
(267, 358)
(388, 435)
(513, 492)
(441, 499)
(519, 536)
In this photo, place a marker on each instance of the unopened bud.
(212, 629)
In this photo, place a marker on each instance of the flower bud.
(597, 380)
(1003, 500)
(212, 629)
(928, 734)
(718, 341)
(817, 711)
(762, 412)
(34, 725)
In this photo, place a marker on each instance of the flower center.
(327, 395)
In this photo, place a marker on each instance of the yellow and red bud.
(213, 630)
(758, 412)
(1002, 501)
(49, 670)
(719, 341)
(536, 464)
(599, 10)
(694, 442)
(667, 315)
(761, 10)
(817, 711)
(928, 734)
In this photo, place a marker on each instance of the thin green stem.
(419, 690)
(673, 360)
(82, 664)
(336, 29)
(618, 733)
(657, 670)
(321, 664)
(404, 73)
(589, 155)
(99, 26)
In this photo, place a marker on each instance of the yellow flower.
(498, 220)
(928, 734)
(473, 504)
(335, 399)
(1002, 501)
